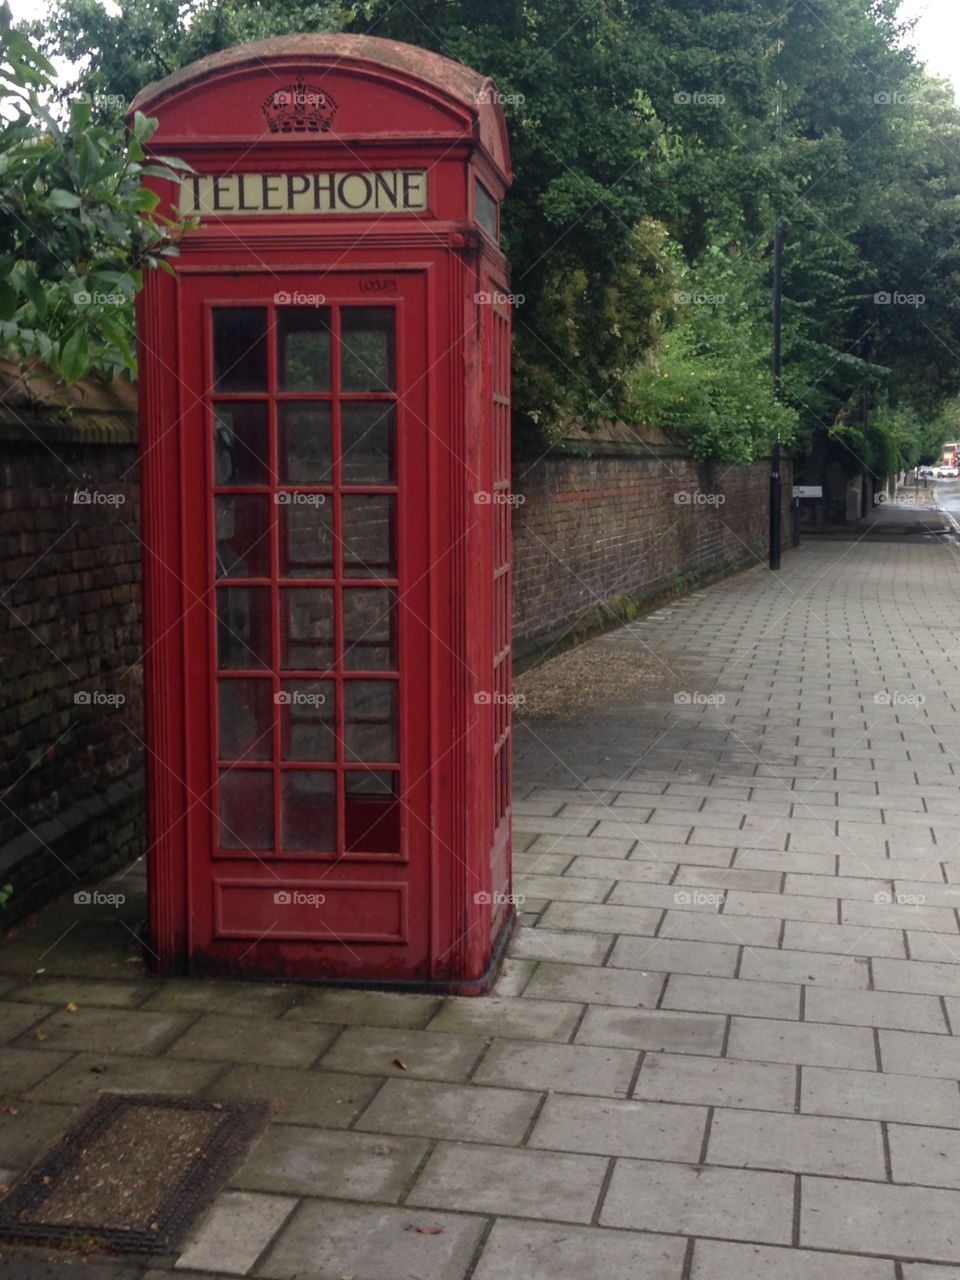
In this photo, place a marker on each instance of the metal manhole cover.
(130, 1177)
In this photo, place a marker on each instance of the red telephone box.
(324, 404)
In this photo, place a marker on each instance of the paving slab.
(563, 888)
(514, 977)
(732, 995)
(531, 1184)
(28, 1128)
(83, 991)
(906, 1053)
(107, 1030)
(15, 1019)
(576, 1068)
(826, 970)
(895, 915)
(594, 985)
(426, 1054)
(85, 1075)
(267, 1041)
(717, 1260)
(657, 1029)
(526, 1019)
(610, 869)
(843, 939)
(605, 1127)
(235, 1231)
(599, 918)
(802, 1043)
(872, 1095)
(469, 1113)
(327, 1240)
(938, 947)
(921, 977)
(739, 930)
(668, 955)
(649, 1195)
(210, 995)
(868, 1217)
(558, 1251)
(560, 945)
(24, 1068)
(297, 1160)
(725, 1082)
(925, 1154)
(875, 1009)
(329, 1098)
(802, 1144)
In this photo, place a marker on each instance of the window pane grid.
(270, 549)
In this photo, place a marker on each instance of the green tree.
(74, 242)
(656, 145)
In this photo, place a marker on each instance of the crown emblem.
(299, 108)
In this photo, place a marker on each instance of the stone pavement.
(723, 1044)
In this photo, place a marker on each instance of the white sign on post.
(808, 490)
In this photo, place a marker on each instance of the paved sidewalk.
(723, 1043)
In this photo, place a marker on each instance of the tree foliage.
(657, 144)
(74, 242)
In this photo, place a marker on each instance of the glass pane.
(306, 628)
(243, 536)
(372, 812)
(303, 347)
(246, 809)
(243, 627)
(368, 536)
(367, 442)
(246, 719)
(370, 720)
(486, 208)
(308, 719)
(306, 455)
(306, 535)
(309, 811)
(240, 349)
(366, 339)
(369, 629)
(241, 448)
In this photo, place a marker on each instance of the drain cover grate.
(130, 1177)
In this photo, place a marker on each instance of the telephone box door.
(305, 602)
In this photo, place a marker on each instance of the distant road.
(948, 496)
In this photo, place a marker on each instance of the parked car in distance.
(948, 472)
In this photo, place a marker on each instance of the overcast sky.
(937, 34)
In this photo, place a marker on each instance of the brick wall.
(595, 536)
(71, 714)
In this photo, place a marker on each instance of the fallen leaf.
(71, 1007)
(9, 1111)
(39, 1035)
(429, 1231)
(383, 1149)
(399, 1062)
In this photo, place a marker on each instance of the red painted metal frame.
(435, 913)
